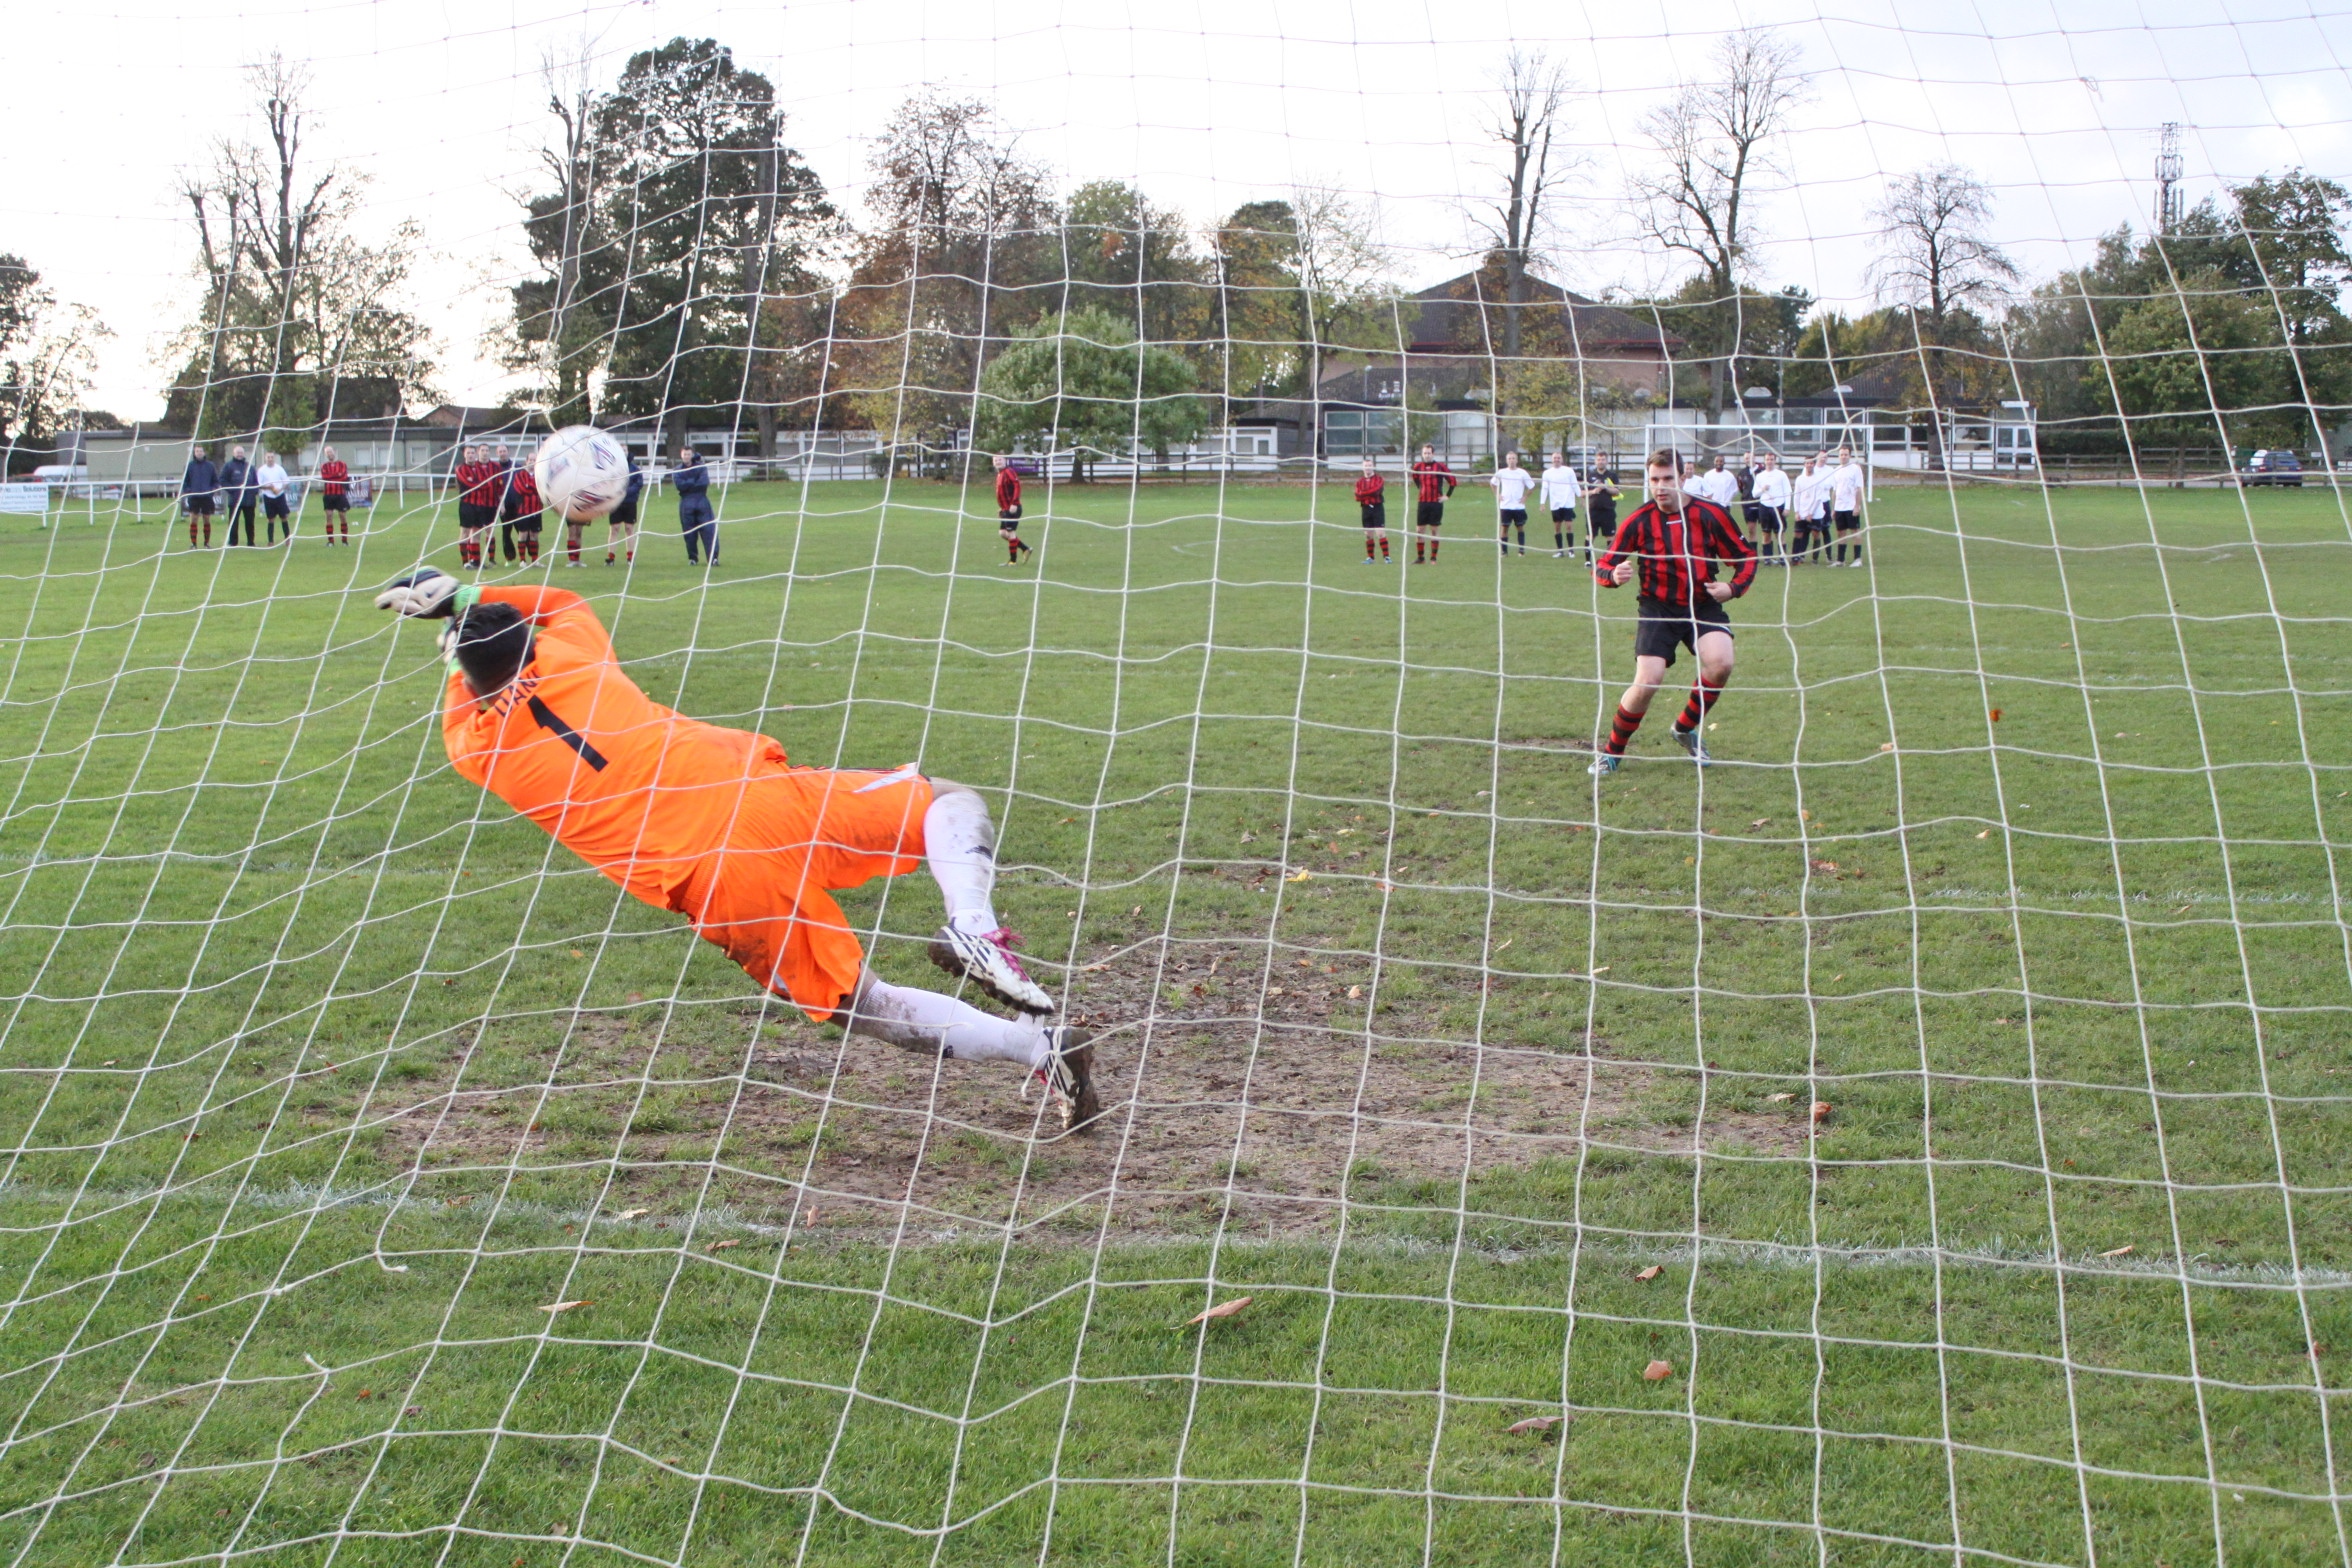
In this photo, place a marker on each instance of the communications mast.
(2168, 177)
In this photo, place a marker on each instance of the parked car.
(2272, 466)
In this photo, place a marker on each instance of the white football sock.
(960, 845)
(922, 1020)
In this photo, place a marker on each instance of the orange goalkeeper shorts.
(767, 898)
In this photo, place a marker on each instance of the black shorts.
(273, 506)
(626, 513)
(1375, 514)
(1514, 516)
(1765, 517)
(1563, 514)
(1604, 522)
(1847, 522)
(197, 505)
(1429, 514)
(1663, 628)
(527, 522)
(471, 516)
(335, 503)
(1007, 516)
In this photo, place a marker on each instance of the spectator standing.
(239, 494)
(696, 519)
(198, 481)
(271, 479)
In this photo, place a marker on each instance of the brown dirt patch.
(1232, 1095)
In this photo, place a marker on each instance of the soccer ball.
(583, 473)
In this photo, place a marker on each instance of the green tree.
(704, 214)
(1081, 383)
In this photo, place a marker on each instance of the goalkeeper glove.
(426, 591)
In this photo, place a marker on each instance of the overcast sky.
(1204, 103)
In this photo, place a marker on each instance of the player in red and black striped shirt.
(1677, 545)
(1432, 483)
(477, 504)
(1008, 510)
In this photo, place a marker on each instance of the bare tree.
(1937, 262)
(293, 302)
(1534, 91)
(1715, 137)
(1934, 255)
(562, 228)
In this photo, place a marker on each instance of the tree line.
(689, 265)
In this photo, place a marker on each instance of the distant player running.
(1008, 509)
(716, 825)
(1432, 483)
(1372, 508)
(1675, 543)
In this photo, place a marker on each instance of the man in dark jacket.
(197, 483)
(696, 520)
(240, 492)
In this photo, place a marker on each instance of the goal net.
(1675, 704)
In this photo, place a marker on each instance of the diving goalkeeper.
(715, 824)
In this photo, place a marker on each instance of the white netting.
(1916, 1136)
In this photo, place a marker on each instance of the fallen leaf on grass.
(566, 1306)
(461, 1200)
(1657, 1372)
(1304, 875)
(1759, 822)
(1820, 1112)
(412, 1410)
(1993, 714)
(1781, 1099)
(1987, 833)
(721, 1246)
(630, 1214)
(1650, 1273)
(576, 953)
(1223, 1309)
(1828, 866)
(1355, 993)
(2123, 1251)
(808, 1216)
(636, 996)
(1532, 1424)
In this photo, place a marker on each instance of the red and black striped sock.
(1621, 731)
(1702, 698)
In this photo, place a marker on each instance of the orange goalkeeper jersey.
(639, 791)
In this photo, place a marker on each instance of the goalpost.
(1915, 1136)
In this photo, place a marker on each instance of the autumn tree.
(963, 251)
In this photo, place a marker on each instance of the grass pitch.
(324, 1076)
